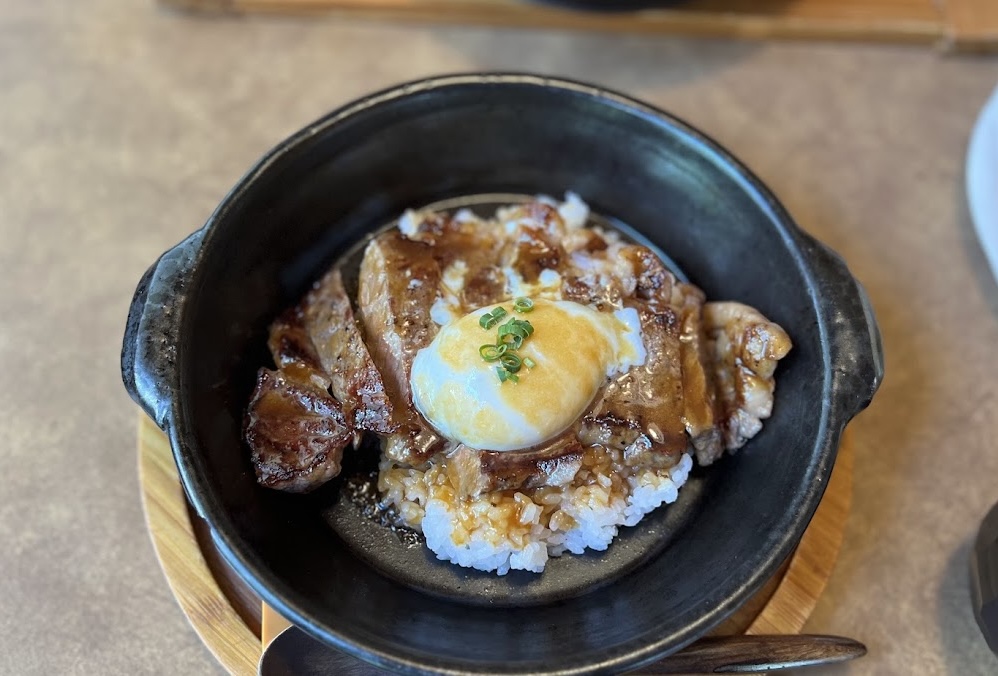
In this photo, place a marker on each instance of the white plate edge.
(982, 179)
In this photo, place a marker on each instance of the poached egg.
(574, 349)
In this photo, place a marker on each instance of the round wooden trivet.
(230, 619)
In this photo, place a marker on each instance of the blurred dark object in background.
(984, 578)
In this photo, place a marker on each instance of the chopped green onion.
(515, 332)
(516, 327)
(490, 319)
(511, 362)
(492, 352)
(510, 337)
(514, 342)
(520, 326)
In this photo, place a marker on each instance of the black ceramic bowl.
(197, 327)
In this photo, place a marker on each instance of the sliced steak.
(555, 463)
(354, 379)
(291, 346)
(743, 347)
(706, 384)
(294, 427)
(699, 405)
(399, 281)
(296, 431)
(641, 411)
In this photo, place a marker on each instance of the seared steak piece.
(290, 343)
(641, 411)
(699, 405)
(399, 282)
(555, 463)
(743, 347)
(536, 244)
(710, 366)
(482, 286)
(644, 411)
(294, 427)
(354, 380)
(296, 431)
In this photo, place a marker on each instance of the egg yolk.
(573, 347)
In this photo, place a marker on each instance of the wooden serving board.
(945, 24)
(235, 626)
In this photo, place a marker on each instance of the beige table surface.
(121, 126)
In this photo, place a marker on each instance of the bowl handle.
(854, 343)
(149, 348)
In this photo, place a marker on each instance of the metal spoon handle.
(295, 653)
(750, 654)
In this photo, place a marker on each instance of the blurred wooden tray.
(946, 24)
(233, 623)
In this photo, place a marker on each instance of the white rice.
(520, 530)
